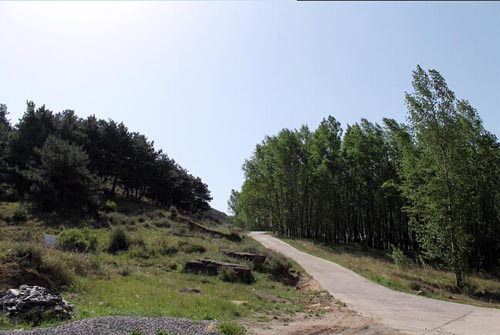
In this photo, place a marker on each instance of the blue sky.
(208, 80)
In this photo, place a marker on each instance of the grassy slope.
(379, 267)
(146, 281)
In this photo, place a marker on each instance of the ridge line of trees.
(63, 163)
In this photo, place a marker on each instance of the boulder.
(32, 303)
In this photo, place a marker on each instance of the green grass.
(147, 279)
(379, 267)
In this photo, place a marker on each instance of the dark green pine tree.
(62, 183)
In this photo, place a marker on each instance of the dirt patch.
(12, 275)
(323, 315)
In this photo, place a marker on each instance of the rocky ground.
(122, 325)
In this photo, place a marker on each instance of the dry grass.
(379, 267)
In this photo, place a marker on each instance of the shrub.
(20, 214)
(174, 213)
(161, 222)
(30, 255)
(166, 249)
(231, 276)
(231, 328)
(110, 206)
(76, 239)
(165, 332)
(115, 218)
(118, 241)
(55, 270)
(400, 259)
(189, 248)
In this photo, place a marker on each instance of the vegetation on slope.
(139, 271)
(430, 186)
(396, 271)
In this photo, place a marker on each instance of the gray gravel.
(120, 325)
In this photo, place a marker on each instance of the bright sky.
(208, 80)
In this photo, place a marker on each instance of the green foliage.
(190, 248)
(136, 332)
(48, 154)
(118, 241)
(29, 254)
(400, 259)
(62, 183)
(21, 213)
(432, 185)
(174, 213)
(53, 271)
(232, 276)
(110, 206)
(77, 239)
(165, 332)
(231, 328)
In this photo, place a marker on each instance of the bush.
(161, 222)
(231, 328)
(115, 218)
(231, 276)
(56, 272)
(29, 255)
(118, 241)
(79, 240)
(174, 213)
(189, 248)
(165, 248)
(20, 214)
(400, 259)
(110, 206)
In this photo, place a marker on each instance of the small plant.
(29, 255)
(400, 259)
(136, 332)
(174, 213)
(80, 240)
(20, 214)
(161, 222)
(231, 328)
(110, 206)
(165, 332)
(231, 276)
(166, 249)
(189, 248)
(118, 241)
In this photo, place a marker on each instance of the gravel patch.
(121, 325)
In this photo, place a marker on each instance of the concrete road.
(408, 313)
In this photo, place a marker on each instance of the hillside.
(142, 272)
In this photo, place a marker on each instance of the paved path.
(409, 313)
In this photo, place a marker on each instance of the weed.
(29, 255)
(231, 328)
(174, 213)
(136, 332)
(165, 332)
(77, 239)
(110, 206)
(231, 276)
(20, 214)
(400, 259)
(118, 241)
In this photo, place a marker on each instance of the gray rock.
(30, 301)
